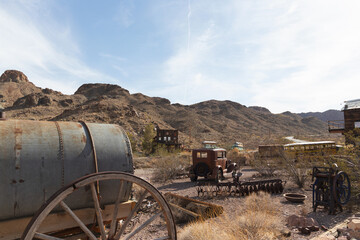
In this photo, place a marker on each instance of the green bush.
(148, 139)
(170, 167)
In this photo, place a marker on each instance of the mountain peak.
(13, 76)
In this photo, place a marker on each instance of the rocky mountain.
(222, 121)
(329, 115)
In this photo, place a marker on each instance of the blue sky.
(283, 55)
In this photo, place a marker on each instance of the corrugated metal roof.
(351, 104)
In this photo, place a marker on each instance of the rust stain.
(83, 138)
(21, 180)
(18, 146)
(13, 181)
(18, 131)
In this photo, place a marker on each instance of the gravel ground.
(231, 205)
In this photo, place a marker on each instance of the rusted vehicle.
(210, 163)
(62, 180)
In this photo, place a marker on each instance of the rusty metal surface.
(239, 188)
(35, 161)
(206, 162)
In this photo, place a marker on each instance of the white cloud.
(297, 56)
(283, 55)
(319, 41)
(42, 48)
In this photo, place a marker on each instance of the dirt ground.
(231, 205)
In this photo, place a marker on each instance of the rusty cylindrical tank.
(37, 158)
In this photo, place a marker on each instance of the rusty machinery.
(331, 188)
(239, 188)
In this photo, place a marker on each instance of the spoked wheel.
(145, 216)
(341, 188)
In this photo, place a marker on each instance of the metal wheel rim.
(343, 190)
(60, 195)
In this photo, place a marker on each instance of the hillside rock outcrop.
(13, 76)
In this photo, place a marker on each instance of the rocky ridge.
(223, 121)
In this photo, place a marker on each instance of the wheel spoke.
(77, 220)
(150, 220)
(45, 237)
(83, 214)
(116, 208)
(128, 218)
(98, 212)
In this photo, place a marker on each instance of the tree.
(132, 141)
(148, 139)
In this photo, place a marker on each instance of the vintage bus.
(297, 149)
(311, 148)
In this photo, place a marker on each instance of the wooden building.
(168, 137)
(351, 120)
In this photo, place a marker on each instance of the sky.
(297, 56)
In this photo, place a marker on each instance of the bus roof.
(309, 143)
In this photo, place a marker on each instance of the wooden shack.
(351, 120)
(169, 137)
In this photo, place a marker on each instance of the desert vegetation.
(257, 219)
(170, 167)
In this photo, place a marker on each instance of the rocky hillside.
(223, 121)
(329, 115)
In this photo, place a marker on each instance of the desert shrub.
(148, 139)
(132, 141)
(236, 156)
(143, 162)
(162, 150)
(170, 167)
(298, 167)
(258, 219)
(266, 166)
(297, 172)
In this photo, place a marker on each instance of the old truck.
(210, 163)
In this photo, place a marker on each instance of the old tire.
(201, 169)
(193, 178)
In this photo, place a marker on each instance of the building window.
(357, 124)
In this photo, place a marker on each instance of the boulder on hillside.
(94, 90)
(32, 100)
(260, 109)
(13, 76)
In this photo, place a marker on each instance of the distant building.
(238, 145)
(169, 137)
(273, 150)
(351, 120)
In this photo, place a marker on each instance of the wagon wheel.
(161, 219)
(341, 188)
